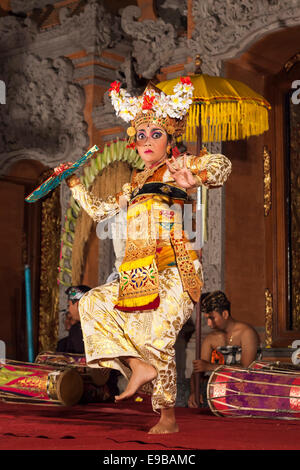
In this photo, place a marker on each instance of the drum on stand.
(256, 392)
(22, 382)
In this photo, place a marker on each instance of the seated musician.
(73, 343)
(231, 342)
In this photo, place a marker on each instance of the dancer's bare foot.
(141, 374)
(167, 423)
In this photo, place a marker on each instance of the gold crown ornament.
(168, 111)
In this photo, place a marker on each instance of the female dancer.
(132, 324)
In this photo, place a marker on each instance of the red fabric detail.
(151, 306)
(175, 152)
(217, 357)
(204, 176)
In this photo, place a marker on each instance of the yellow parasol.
(228, 109)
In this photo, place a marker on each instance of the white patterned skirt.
(110, 334)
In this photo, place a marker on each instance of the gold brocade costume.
(160, 278)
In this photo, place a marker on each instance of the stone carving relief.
(104, 115)
(224, 28)
(93, 29)
(16, 32)
(19, 6)
(173, 11)
(153, 42)
(128, 77)
(43, 111)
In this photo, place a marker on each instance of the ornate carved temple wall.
(57, 59)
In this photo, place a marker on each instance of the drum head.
(99, 376)
(69, 387)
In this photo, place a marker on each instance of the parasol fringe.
(226, 121)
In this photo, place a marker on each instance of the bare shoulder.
(246, 330)
(215, 339)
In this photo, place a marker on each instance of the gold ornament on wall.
(294, 211)
(268, 318)
(49, 289)
(267, 181)
(292, 61)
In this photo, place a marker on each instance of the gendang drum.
(97, 376)
(95, 388)
(256, 392)
(283, 367)
(22, 382)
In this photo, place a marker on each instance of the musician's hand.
(183, 176)
(200, 365)
(192, 401)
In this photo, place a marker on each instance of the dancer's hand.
(183, 176)
(72, 181)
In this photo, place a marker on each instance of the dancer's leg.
(167, 423)
(142, 373)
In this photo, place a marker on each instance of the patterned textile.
(230, 355)
(110, 334)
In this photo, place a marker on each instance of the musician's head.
(215, 306)
(74, 294)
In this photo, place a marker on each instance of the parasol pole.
(198, 70)
(198, 307)
(29, 325)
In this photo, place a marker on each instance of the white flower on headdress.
(174, 106)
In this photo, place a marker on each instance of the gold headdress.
(168, 111)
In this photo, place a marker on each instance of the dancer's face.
(151, 143)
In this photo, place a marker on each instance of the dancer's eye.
(140, 136)
(157, 135)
